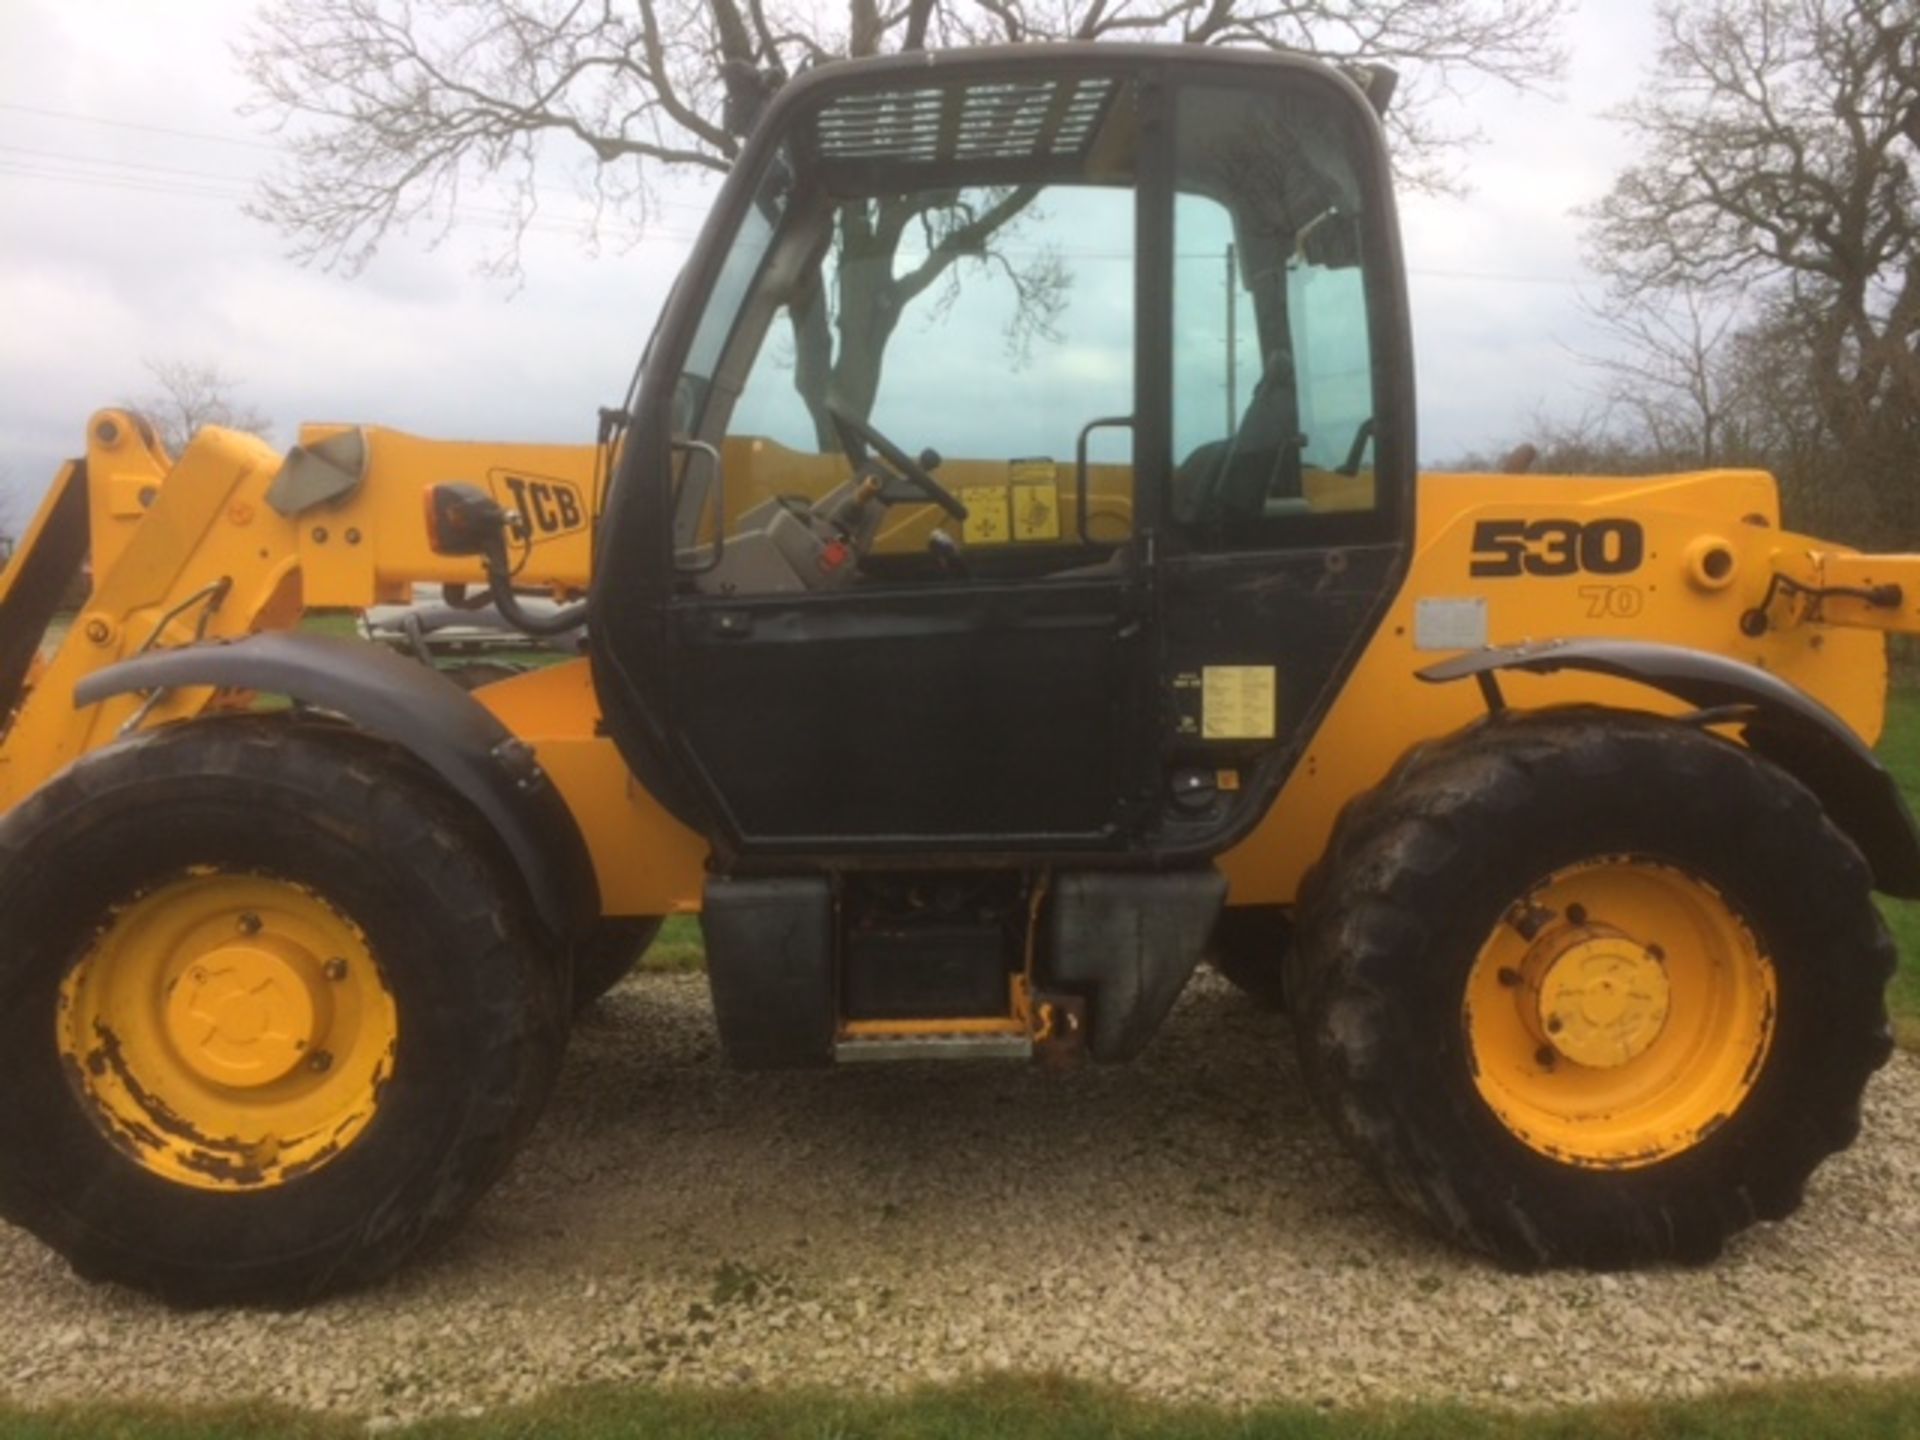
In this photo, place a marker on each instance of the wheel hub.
(1600, 998)
(245, 1014)
(228, 1030)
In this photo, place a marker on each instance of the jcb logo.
(546, 506)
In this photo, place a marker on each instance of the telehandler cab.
(1007, 572)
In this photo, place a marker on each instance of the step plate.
(934, 1047)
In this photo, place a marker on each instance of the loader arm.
(1840, 588)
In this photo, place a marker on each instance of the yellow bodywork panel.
(1383, 709)
(646, 861)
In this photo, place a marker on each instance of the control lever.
(947, 550)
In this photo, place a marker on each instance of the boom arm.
(219, 544)
(1837, 587)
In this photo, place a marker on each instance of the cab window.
(1274, 390)
(945, 273)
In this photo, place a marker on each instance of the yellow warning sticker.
(1036, 500)
(1236, 702)
(987, 520)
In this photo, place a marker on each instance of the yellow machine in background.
(1546, 806)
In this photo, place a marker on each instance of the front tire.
(273, 1012)
(1591, 988)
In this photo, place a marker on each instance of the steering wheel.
(856, 436)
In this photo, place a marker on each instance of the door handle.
(1110, 422)
(718, 496)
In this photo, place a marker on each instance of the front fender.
(1783, 723)
(412, 706)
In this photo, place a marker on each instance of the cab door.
(1132, 325)
(952, 263)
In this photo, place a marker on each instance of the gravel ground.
(1184, 1225)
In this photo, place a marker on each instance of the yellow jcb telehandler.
(1546, 805)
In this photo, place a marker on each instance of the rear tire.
(343, 826)
(1428, 876)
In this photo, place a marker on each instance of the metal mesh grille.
(1043, 119)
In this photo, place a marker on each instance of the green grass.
(676, 950)
(1900, 752)
(1043, 1409)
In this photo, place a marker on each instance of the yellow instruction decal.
(987, 522)
(1236, 702)
(1036, 500)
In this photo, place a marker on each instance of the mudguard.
(1785, 724)
(416, 708)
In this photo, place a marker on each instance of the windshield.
(730, 290)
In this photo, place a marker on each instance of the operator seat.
(1231, 480)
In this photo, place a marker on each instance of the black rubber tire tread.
(1419, 871)
(483, 1003)
(608, 954)
(1249, 948)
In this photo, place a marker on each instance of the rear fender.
(416, 708)
(1779, 721)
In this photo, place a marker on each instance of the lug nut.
(320, 1062)
(99, 632)
(1554, 1025)
(249, 923)
(1509, 976)
(1576, 914)
(1544, 1057)
(335, 969)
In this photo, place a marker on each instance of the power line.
(142, 165)
(466, 216)
(141, 125)
(544, 224)
(208, 137)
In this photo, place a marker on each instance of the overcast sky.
(123, 160)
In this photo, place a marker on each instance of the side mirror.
(462, 519)
(1377, 82)
(1331, 240)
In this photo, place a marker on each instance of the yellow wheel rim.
(1620, 1012)
(230, 1032)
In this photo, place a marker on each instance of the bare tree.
(1778, 178)
(191, 395)
(1598, 441)
(396, 111)
(1670, 371)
